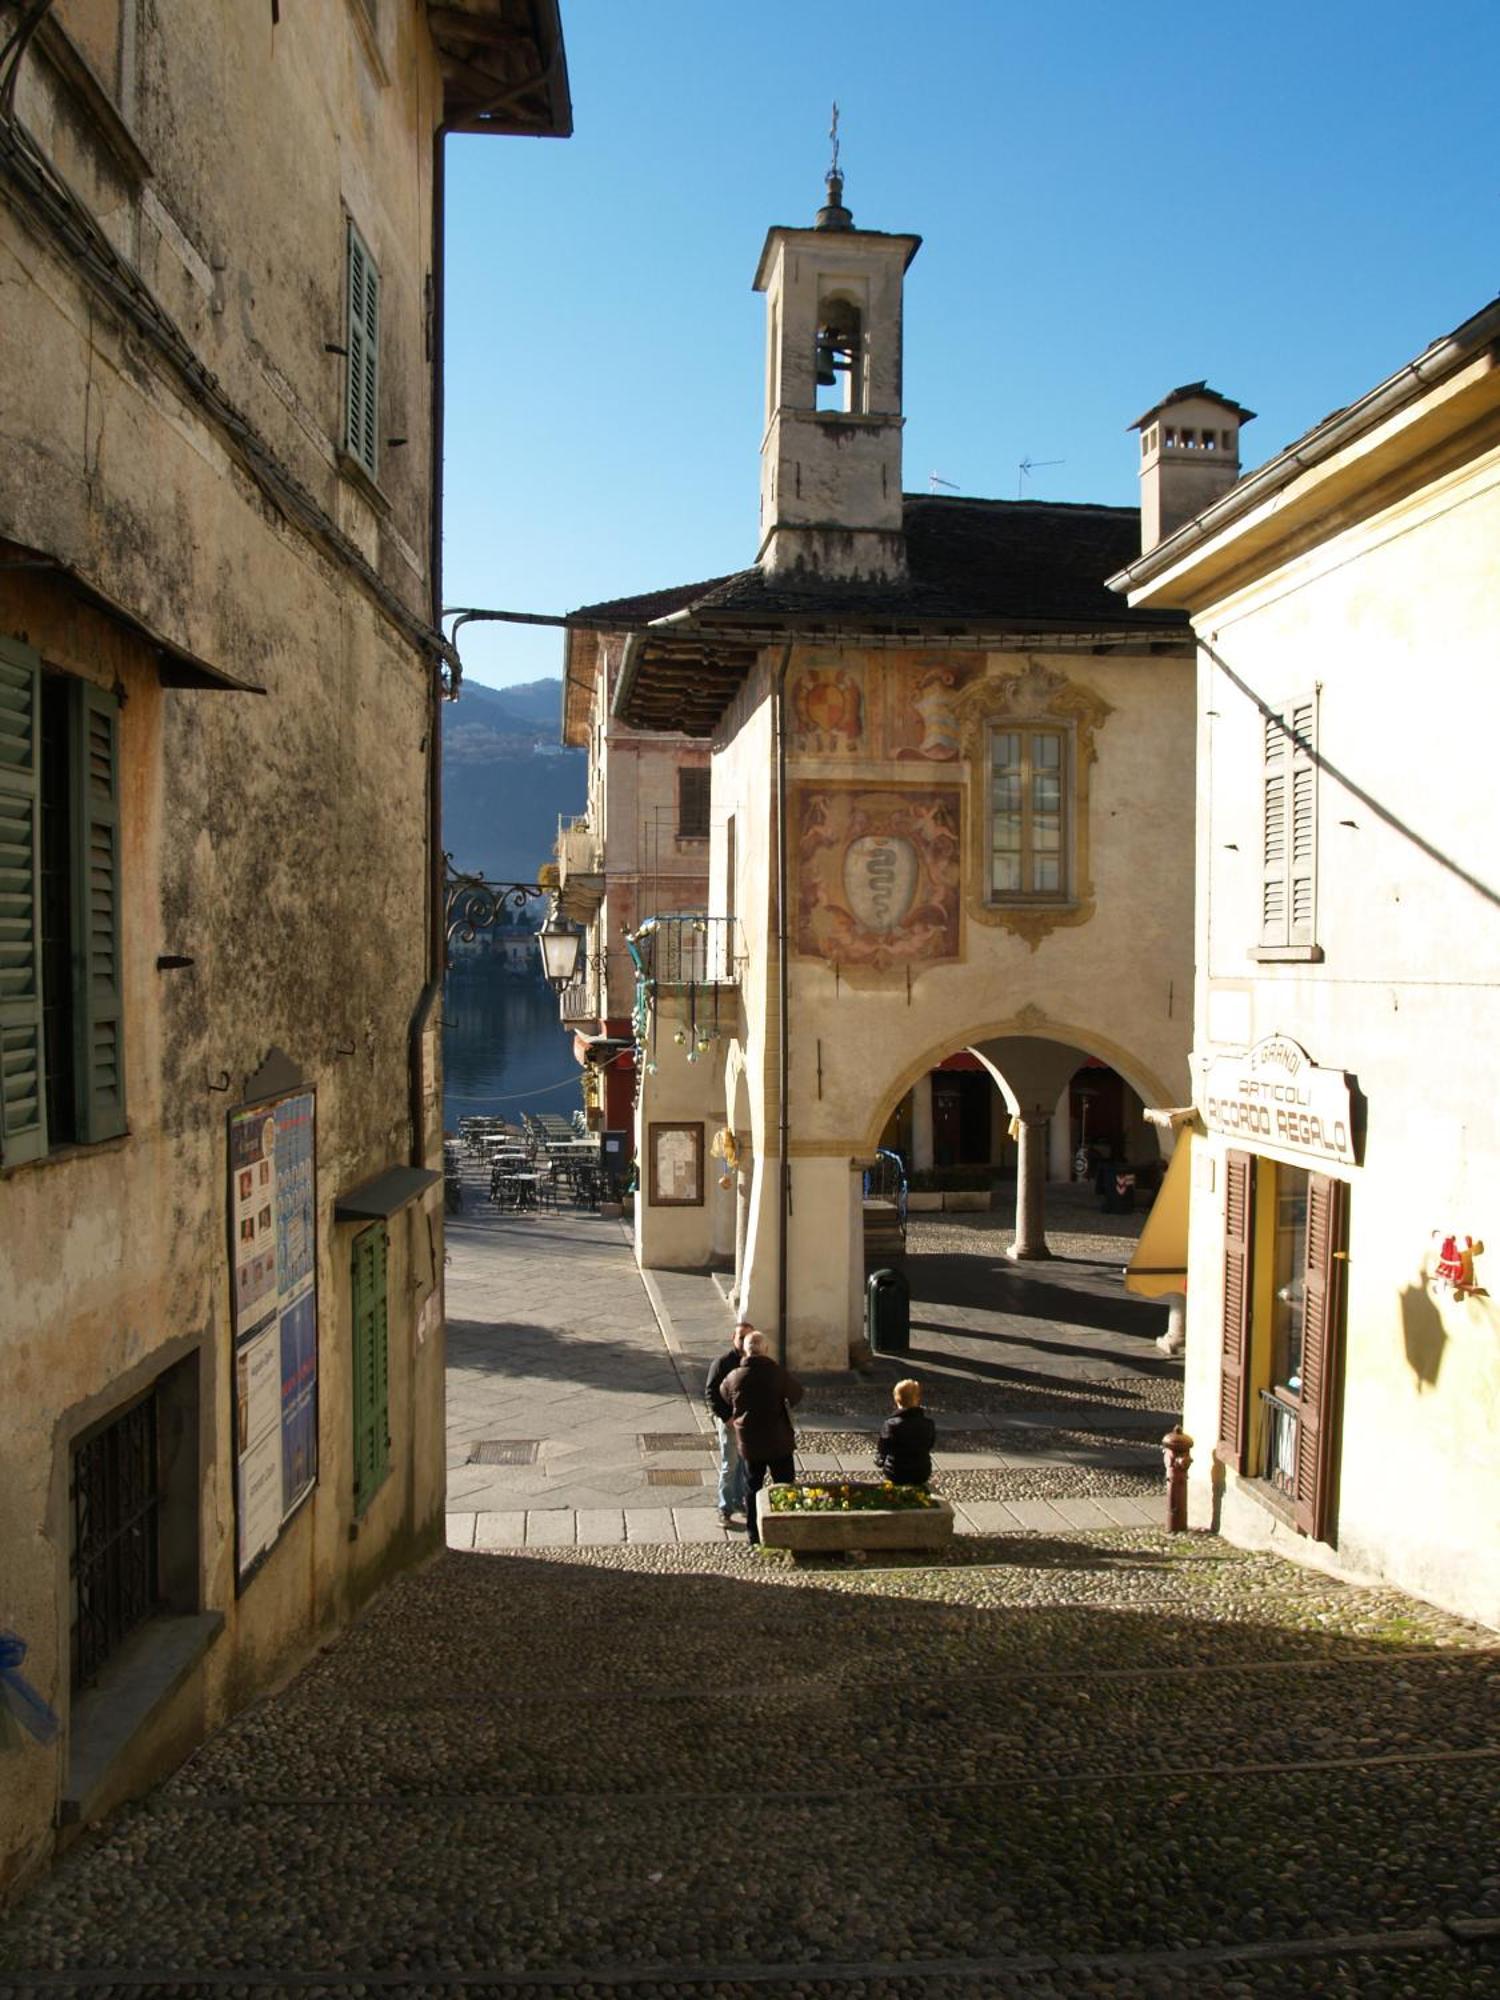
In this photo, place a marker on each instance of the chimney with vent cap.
(1190, 457)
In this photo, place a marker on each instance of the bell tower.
(830, 458)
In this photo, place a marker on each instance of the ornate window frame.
(1035, 696)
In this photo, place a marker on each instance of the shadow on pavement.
(636, 1764)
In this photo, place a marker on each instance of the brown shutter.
(1275, 786)
(1302, 826)
(1234, 1348)
(1322, 1340)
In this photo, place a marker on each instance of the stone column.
(1031, 1184)
(921, 1123)
(741, 1226)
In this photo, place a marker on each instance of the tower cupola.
(830, 460)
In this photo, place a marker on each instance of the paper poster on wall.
(273, 1238)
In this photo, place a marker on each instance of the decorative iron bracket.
(472, 904)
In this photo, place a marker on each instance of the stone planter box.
(859, 1528)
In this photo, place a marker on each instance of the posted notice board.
(273, 1234)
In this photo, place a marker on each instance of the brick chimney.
(1190, 457)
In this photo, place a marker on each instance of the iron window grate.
(116, 1504)
(675, 1441)
(673, 1475)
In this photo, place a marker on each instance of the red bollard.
(1177, 1456)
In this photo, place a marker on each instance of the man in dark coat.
(760, 1394)
(731, 1465)
(903, 1451)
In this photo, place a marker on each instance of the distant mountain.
(506, 778)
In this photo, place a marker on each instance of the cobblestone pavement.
(1116, 1763)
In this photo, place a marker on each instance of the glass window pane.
(1007, 792)
(1046, 750)
(1007, 749)
(1046, 792)
(1047, 878)
(1005, 834)
(1046, 838)
(1006, 874)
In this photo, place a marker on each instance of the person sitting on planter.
(759, 1395)
(903, 1451)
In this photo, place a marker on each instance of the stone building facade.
(220, 686)
(952, 809)
(638, 850)
(1343, 1349)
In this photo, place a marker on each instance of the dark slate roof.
(975, 567)
(1001, 563)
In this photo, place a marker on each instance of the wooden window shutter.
(693, 793)
(1322, 1345)
(1274, 786)
(94, 780)
(371, 1365)
(362, 377)
(1289, 843)
(1302, 825)
(23, 1101)
(1234, 1350)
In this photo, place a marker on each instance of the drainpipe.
(783, 1009)
(437, 940)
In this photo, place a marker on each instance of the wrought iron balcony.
(580, 866)
(580, 1000)
(687, 951)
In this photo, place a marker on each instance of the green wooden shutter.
(372, 1442)
(1234, 1345)
(1322, 1344)
(362, 412)
(94, 778)
(23, 1103)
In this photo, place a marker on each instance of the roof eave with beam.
(504, 67)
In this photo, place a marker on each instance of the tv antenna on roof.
(935, 480)
(1025, 469)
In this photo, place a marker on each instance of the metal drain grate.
(673, 1475)
(675, 1441)
(504, 1451)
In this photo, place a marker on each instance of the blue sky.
(1290, 200)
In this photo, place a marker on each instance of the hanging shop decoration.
(273, 1261)
(725, 1147)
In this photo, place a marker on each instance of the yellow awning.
(1160, 1261)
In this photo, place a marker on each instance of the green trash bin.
(888, 1313)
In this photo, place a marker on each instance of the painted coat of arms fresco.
(828, 710)
(878, 874)
(924, 720)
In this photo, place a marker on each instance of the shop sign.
(1274, 1094)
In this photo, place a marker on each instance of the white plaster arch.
(1144, 1081)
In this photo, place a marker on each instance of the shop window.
(694, 787)
(1289, 830)
(1029, 814)
(62, 1076)
(1282, 1332)
(372, 1431)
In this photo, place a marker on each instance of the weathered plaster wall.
(277, 840)
(1393, 622)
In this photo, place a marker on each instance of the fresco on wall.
(828, 707)
(878, 874)
(922, 710)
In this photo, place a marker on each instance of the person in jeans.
(903, 1451)
(760, 1394)
(731, 1465)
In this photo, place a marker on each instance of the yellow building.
(1343, 1353)
(951, 810)
(220, 913)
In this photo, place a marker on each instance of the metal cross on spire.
(833, 133)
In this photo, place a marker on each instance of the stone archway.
(1031, 1062)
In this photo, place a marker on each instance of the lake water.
(504, 1049)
